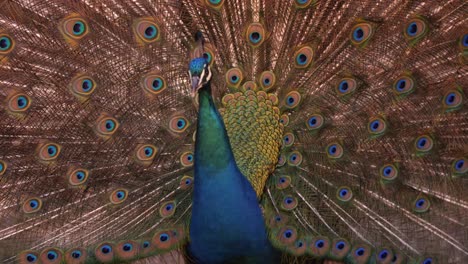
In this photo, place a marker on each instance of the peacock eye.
(292, 99)
(215, 3)
(49, 151)
(377, 126)
(421, 205)
(288, 139)
(234, 77)
(153, 83)
(78, 177)
(424, 143)
(32, 205)
(6, 44)
(178, 124)
(186, 159)
(267, 80)
(146, 244)
(287, 235)
(127, 247)
(106, 126)
(3, 167)
(361, 33)
(416, 29)
(403, 85)
(19, 103)
(346, 86)
(289, 203)
(146, 152)
(427, 261)
(255, 34)
(283, 182)
(452, 100)
(167, 209)
(146, 31)
(295, 158)
(106, 249)
(303, 3)
(186, 182)
(118, 196)
(303, 57)
(76, 254)
(334, 151)
(344, 194)
(74, 27)
(31, 258)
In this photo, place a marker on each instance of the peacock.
(233, 131)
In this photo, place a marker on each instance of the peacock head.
(200, 74)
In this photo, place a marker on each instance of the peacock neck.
(226, 223)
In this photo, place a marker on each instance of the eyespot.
(303, 57)
(51, 255)
(340, 248)
(319, 246)
(464, 41)
(178, 124)
(214, 3)
(334, 151)
(288, 139)
(186, 182)
(295, 158)
(346, 86)
(315, 122)
(452, 100)
(146, 244)
(278, 220)
(403, 85)
(104, 252)
(106, 126)
(283, 182)
(361, 253)
(385, 255)
(167, 209)
(234, 77)
(303, 3)
(284, 119)
(421, 205)
(281, 160)
(361, 33)
(287, 235)
(166, 239)
(28, 257)
(83, 85)
(186, 159)
(298, 248)
(424, 143)
(146, 31)
(267, 80)
(118, 196)
(255, 34)
(460, 166)
(427, 261)
(289, 203)
(416, 29)
(32, 205)
(78, 177)
(146, 152)
(74, 27)
(127, 250)
(76, 256)
(6, 44)
(292, 99)
(3, 167)
(344, 194)
(153, 83)
(19, 103)
(249, 86)
(389, 172)
(49, 151)
(208, 54)
(377, 126)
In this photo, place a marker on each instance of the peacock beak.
(195, 85)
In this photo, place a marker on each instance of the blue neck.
(227, 222)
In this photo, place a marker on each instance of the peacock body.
(303, 131)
